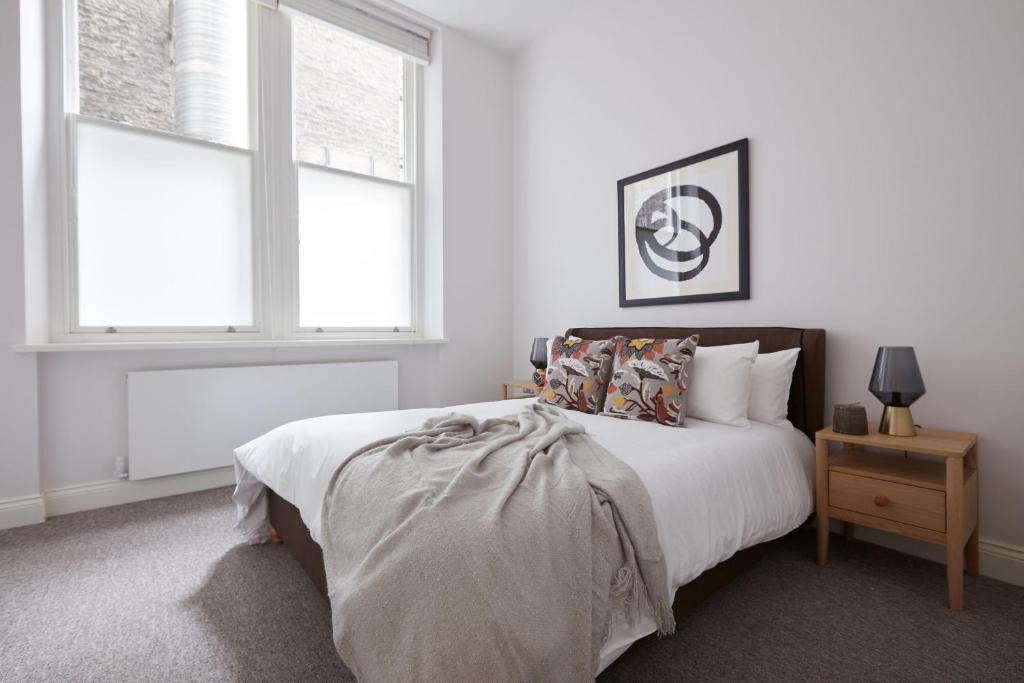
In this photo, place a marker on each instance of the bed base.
(288, 524)
(289, 527)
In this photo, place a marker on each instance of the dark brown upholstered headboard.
(807, 395)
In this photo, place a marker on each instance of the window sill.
(62, 347)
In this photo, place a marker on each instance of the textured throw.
(493, 550)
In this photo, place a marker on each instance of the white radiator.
(189, 420)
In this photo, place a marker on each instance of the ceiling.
(507, 25)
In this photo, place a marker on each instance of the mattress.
(715, 489)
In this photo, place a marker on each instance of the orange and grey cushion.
(648, 379)
(577, 373)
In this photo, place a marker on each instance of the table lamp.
(539, 359)
(896, 382)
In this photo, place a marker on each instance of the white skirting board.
(80, 497)
(101, 494)
(999, 560)
(22, 511)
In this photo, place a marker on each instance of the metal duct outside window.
(210, 67)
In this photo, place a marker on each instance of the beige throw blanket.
(497, 550)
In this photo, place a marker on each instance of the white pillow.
(719, 383)
(771, 378)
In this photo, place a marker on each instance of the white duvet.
(715, 489)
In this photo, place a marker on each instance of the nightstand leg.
(955, 577)
(821, 486)
(954, 533)
(971, 554)
(971, 551)
(848, 528)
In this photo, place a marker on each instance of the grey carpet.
(162, 590)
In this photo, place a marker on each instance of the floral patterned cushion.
(578, 373)
(649, 379)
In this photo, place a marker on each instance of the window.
(236, 169)
(163, 224)
(355, 207)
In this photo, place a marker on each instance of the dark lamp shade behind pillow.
(539, 353)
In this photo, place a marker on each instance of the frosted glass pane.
(355, 252)
(164, 231)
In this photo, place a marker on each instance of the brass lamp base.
(897, 421)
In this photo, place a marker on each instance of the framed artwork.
(683, 230)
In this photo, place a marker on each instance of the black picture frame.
(743, 229)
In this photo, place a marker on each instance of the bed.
(720, 493)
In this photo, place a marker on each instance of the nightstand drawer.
(901, 503)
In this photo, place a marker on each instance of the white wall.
(887, 186)
(19, 464)
(477, 179)
(82, 399)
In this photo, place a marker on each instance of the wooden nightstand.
(522, 388)
(934, 501)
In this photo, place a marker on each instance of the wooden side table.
(931, 500)
(523, 386)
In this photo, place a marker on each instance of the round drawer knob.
(881, 501)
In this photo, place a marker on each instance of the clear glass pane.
(164, 234)
(178, 66)
(348, 101)
(355, 251)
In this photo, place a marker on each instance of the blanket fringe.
(628, 587)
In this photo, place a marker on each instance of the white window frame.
(274, 194)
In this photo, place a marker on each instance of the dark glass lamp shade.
(896, 380)
(539, 353)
